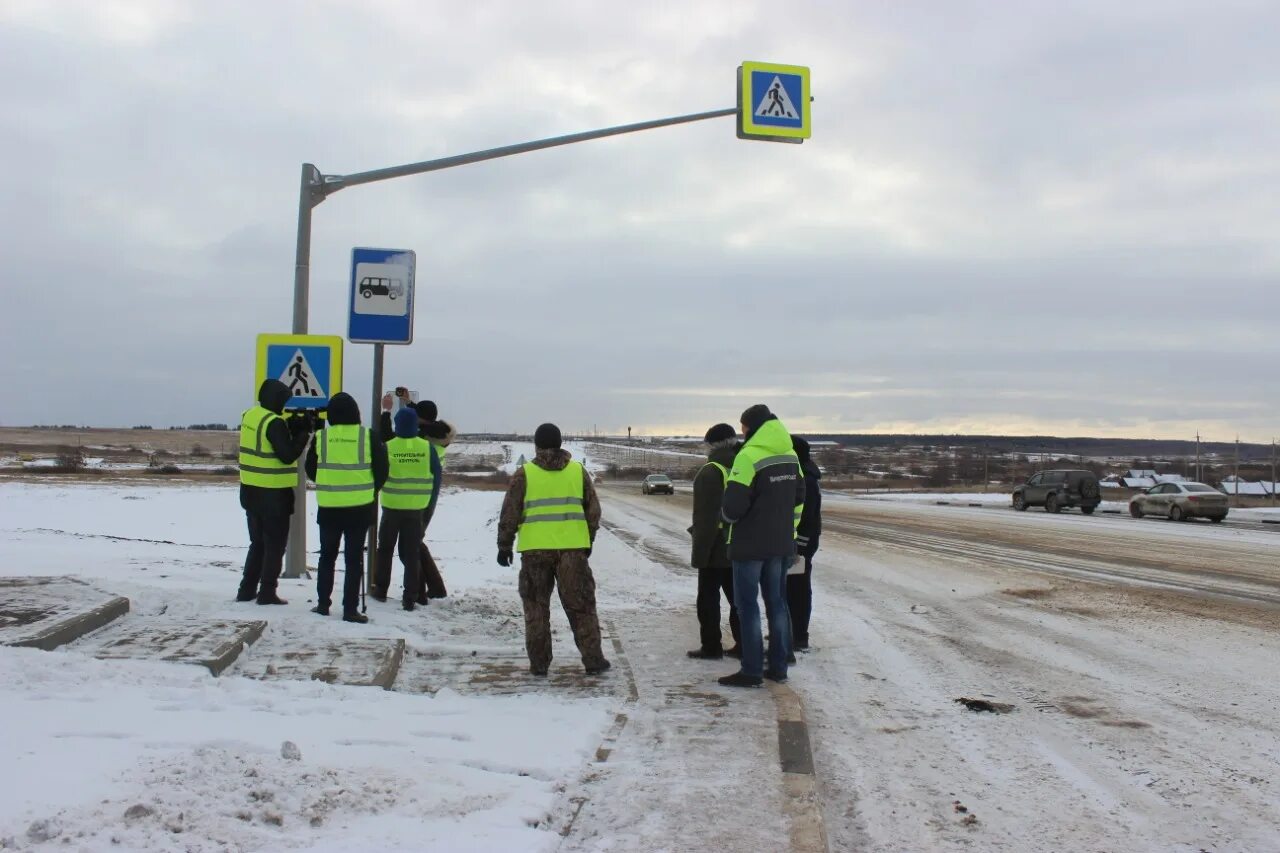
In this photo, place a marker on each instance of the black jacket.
(288, 440)
(811, 518)
(762, 511)
(344, 411)
(709, 548)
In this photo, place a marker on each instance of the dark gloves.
(298, 425)
(505, 556)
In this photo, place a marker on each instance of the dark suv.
(1057, 489)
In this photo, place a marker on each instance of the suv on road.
(1056, 490)
(657, 484)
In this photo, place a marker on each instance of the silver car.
(1180, 501)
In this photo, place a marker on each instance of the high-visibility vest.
(754, 457)
(441, 450)
(344, 466)
(259, 465)
(724, 481)
(554, 513)
(409, 478)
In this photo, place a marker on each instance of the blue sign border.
(791, 83)
(376, 328)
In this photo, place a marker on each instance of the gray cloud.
(1048, 217)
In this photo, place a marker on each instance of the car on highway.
(1058, 490)
(1180, 501)
(657, 484)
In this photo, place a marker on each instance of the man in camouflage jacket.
(542, 570)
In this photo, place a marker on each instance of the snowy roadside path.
(1139, 723)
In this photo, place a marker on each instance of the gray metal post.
(375, 411)
(1273, 471)
(295, 565)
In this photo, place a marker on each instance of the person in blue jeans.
(760, 499)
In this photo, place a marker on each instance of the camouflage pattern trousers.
(540, 573)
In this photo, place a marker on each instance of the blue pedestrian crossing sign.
(311, 365)
(381, 299)
(773, 102)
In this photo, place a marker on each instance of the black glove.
(505, 556)
(297, 425)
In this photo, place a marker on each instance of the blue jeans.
(768, 576)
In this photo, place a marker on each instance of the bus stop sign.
(381, 296)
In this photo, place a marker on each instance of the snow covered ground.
(139, 755)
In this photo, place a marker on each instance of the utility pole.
(1237, 474)
(1273, 470)
(315, 187)
(1198, 474)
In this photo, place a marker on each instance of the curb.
(799, 784)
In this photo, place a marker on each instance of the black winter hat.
(801, 447)
(343, 409)
(426, 410)
(754, 417)
(547, 437)
(720, 432)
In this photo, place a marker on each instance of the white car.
(1180, 501)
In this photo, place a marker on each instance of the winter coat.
(811, 518)
(343, 410)
(440, 434)
(288, 439)
(761, 504)
(709, 548)
(513, 505)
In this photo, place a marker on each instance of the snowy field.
(133, 755)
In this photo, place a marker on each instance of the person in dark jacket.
(800, 575)
(269, 444)
(761, 499)
(710, 551)
(345, 492)
(404, 498)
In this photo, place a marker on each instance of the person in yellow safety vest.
(551, 506)
(269, 451)
(763, 490)
(710, 555)
(441, 434)
(348, 464)
(405, 497)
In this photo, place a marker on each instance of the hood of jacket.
(440, 433)
(343, 409)
(724, 454)
(811, 471)
(274, 395)
(772, 437)
(552, 458)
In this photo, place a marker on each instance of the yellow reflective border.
(746, 109)
(332, 342)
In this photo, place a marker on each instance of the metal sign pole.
(295, 565)
(375, 410)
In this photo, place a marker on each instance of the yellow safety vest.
(409, 479)
(259, 465)
(554, 514)
(344, 466)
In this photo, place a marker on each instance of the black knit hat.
(547, 437)
(755, 416)
(801, 447)
(720, 432)
(426, 410)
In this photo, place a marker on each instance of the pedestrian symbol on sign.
(300, 378)
(776, 102)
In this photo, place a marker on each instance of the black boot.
(322, 609)
(775, 676)
(423, 599)
(378, 594)
(597, 669)
(353, 616)
(270, 598)
(407, 604)
(246, 595)
(735, 652)
(706, 654)
(741, 679)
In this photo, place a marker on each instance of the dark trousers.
(711, 582)
(430, 581)
(404, 526)
(355, 532)
(268, 536)
(800, 602)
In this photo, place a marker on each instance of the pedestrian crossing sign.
(773, 102)
(311, 365)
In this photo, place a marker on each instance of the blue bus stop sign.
(381, 303)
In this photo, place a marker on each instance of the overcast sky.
(1032, 217)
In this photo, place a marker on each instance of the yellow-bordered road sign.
(773, 102)
(311, 365)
